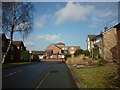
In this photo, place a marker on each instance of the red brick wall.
(4, 44)
(54, 48)
(109, 41)
(118, 44)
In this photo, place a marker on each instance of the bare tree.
(16, 17)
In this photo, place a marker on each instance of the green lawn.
(94, 77)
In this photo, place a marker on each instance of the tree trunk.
(11, 34)
(8, 49)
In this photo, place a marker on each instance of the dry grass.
(78, 59)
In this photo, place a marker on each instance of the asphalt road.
(38, 75)
(26, 76)
(58, 77)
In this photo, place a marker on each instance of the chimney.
(105, 28)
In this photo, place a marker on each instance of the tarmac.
(58, 77)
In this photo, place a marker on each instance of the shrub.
(80, 51)
(44, 57)
(67, 55)
(101, 62)
(86, 52)
(35, 58)
(24, 55)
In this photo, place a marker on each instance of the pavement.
(78, 81)
(58, 76)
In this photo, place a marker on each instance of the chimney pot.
(105, 28)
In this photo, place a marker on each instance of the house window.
(21, 48)
(12, 48)
(12, 57)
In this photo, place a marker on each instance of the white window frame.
(21, 48)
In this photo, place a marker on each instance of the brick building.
(117, 49)
(109, 43)
(59, 50)
(105, 44)
(15, 51)
(55, 48)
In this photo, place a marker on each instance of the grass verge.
(17, 63)
(96, 77)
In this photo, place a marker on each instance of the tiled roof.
(60, 43)
(17, 43)
(92, 36)
(49, 51)
(38, 52)
(67, 47)
(118, 26)
(1, 35)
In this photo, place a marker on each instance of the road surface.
(37, 75)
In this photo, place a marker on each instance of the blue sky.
(69, 22)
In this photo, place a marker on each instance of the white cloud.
(41, 21)
(105, 17)
(73, 12)
(22, 26)
(29, 44)
(50, 38)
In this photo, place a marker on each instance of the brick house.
(116, 50)
(12, 55)
(59, 50)
(104, 44)
(20, 47)
(5, 42)
(109, 42)
(118, 41)
(55, 48)
(15, 51)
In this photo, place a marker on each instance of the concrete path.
(58, 77)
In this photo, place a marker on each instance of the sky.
(68, 22)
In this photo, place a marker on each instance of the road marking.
(43, 79)
(11, 74)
